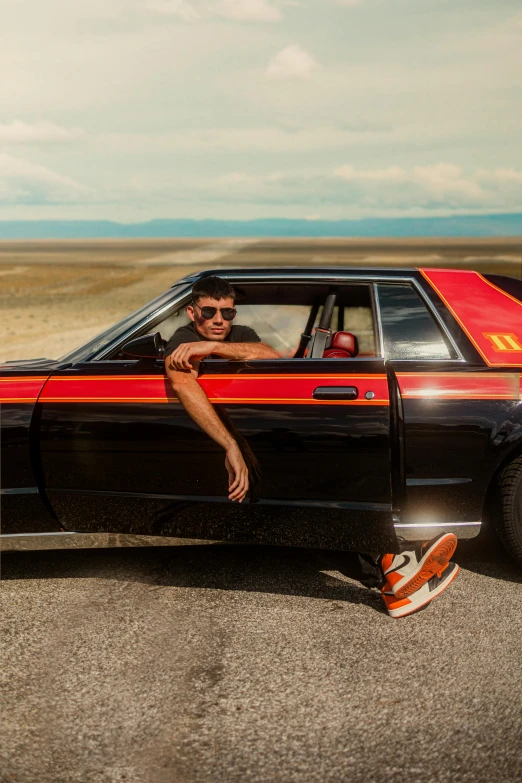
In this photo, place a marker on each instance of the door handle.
(335, 393)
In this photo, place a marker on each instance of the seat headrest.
(345, 341)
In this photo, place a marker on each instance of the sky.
(132, 110)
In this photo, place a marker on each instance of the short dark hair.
(213, 287)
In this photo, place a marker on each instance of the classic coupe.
(394, 409)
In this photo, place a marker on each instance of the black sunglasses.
(228, 313)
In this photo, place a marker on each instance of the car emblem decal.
(504, 342)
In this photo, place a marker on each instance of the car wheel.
(507, 514)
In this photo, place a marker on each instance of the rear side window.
(409, 330)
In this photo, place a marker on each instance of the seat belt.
(323, 331)
(307, 334)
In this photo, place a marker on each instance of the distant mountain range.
(455, 226)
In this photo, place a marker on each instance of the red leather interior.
(343, 346)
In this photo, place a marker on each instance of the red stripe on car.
(460, 385)
(239, 389)
(491, 318)
(20, 388)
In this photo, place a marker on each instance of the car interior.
(300, 321)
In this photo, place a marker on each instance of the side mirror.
(149, 346)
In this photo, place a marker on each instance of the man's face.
(215, 328)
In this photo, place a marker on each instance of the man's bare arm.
(185, 354)
(242, 352)
(199, 408)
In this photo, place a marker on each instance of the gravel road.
(233, 663)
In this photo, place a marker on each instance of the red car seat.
(344, 345)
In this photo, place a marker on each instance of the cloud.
(441, 183)
(290, 63)
(23, 182)
(288, 138)
(441, 188)
(18, 132)
(434, 185)
(349, 3)
(239, 10)
(179, 8)
(248, 10)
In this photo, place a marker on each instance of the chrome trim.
(4, 536)
(420, 532)
(19, 491)
(33, 542)
(378, 318)
(436, 482)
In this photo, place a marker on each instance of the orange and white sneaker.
(400, 607)
(407, 572)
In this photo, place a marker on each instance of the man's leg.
(372, 574)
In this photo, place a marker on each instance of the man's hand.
(181, 358)
(237, 474)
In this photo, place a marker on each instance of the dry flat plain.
(231, 663)
(56, 295)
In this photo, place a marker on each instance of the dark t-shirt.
(189, 334)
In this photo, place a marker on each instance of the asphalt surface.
(234, 663)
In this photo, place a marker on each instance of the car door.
(117, 447)
(119, 452)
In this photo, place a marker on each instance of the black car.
(395, 406)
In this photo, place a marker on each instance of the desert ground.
(56, 295)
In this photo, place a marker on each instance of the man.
(211, 333)
(409, 580)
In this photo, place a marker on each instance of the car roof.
(284, 271)
(299, 272)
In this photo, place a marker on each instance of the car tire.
(507, 511)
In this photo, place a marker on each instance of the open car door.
(120, 454)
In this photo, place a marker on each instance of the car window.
(281, 325)
(280, 314)
(409, 329)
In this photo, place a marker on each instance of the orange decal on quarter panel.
(491, 318)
